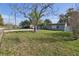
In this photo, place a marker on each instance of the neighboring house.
(55, 27)
(58, 26)
(63, 27)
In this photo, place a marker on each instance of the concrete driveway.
(21, 30)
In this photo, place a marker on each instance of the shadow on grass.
(47, 37)
(50, 40)
(56, 36)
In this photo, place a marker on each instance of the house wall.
(55, 27)
(61, 27)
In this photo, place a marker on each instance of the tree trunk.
(35, 28)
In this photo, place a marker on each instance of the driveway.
(16, 30)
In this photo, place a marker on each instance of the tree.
(1, 20)
(24, 24)
(34, 12)
(72, 19)
(67, 15)
(64, 17)
(47, 22)
(74, 23)
(61, 19)
(34, 21)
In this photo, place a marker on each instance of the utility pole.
(9, 22)
(15, 18)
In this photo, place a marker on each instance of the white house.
(64, 27)
(55, 27)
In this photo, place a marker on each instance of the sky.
(60, 8)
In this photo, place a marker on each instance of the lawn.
(41, 43)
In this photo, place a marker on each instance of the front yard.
(43, 42)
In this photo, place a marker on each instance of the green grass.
(44, 42)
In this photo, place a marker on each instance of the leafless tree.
(36, 11)
(74, 23)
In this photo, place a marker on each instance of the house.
(55, 27)
(58, 26)
(62, 27)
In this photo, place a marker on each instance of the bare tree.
(61, 18)
(72, 20)
(34, 12)
(74, 23)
